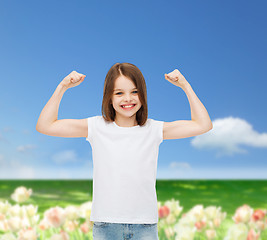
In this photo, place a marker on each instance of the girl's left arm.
(200, 121)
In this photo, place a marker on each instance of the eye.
(121, 92)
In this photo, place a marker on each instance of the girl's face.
(125, 93)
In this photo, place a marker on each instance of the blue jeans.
(122, 231)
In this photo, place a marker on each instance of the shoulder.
(95, 118)
(98, 121)
(158, 124)
(155, 122)
(92, 120)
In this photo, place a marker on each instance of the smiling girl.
(125, 145)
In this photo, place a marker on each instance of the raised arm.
(200, 121)
(49, 124)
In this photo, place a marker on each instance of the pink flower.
(258, 215)
(164, 211)
(200, 224)
(85, 227)
(44, 224)
(243, 214)
(55, 216)
(27, 234)
(252, 235)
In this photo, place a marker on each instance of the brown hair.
(135, 75)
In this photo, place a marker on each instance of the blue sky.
(219, 46)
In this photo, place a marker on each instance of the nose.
(127, 97)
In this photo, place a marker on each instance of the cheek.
(138, 99)
(116, 101)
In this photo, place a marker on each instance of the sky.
(218, 46)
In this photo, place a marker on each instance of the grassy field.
(229, 194)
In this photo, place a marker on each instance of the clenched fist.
(73, 79)
(176, 78)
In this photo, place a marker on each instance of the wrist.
(62, 87)
(186, 86)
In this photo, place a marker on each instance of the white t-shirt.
(124, 171)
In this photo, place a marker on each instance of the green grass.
(229, 194)
(50, 193)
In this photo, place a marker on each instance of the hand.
(73, 79)
(176, 78)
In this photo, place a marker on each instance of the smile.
(128, 107)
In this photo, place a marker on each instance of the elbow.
(39, 128)
(44, 129)
(207, 128)
(211, 126)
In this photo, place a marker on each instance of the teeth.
(127, 106)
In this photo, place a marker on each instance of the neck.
(126, 121)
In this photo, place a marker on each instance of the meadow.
(227, 194)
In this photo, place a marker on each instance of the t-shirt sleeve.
(91, 123)
(158, 128)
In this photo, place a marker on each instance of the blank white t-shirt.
(124, 171)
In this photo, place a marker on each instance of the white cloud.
(26, 172)
(29, 172)
(25, 148)
(9, 163)
(18, 171)
(175, 170)
(180, 165)
(63, 157)
(228, 134)
(13, 169)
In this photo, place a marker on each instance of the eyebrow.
(122, 89)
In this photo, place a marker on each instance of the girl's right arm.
(49, 124)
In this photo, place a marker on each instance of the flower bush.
(198, 219)
(22, 222)
(248, 223)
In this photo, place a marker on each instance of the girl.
(125, 146)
